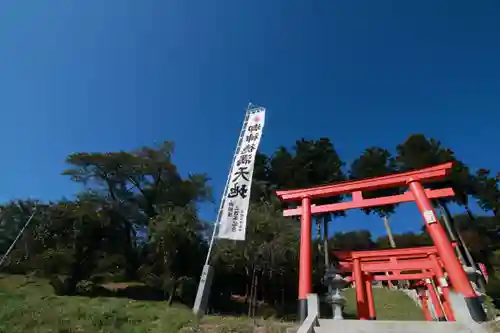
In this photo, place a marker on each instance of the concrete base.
(380, 326)
(302, 310)
(476, 309)
(203, 293)
(463, 313)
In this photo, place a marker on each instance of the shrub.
(61, 284)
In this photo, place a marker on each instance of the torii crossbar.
(413, 180)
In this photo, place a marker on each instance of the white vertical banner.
(236, 198)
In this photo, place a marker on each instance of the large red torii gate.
(413, 180)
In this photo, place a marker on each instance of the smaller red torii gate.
(413, 180)
(422, 261)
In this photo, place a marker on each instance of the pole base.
(475, 309)
(302, 310)
(372, 318)
(441, 319)
(203, 293)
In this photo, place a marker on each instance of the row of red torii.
(422, 264)
(435, 265)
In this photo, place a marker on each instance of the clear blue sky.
(100, 75)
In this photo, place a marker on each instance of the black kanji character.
(242, 172)
(244, 159)
(252, 137)
(230, 207)
(254, 128)
(248, 149)
(241, 190)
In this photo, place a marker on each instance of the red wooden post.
(305, 284)
(443, 287)
(360, 290)
(389, 282)
(425, 308)
(369, 298)
(445, 250)
(435, 300)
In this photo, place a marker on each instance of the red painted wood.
(411, 252)
(389, 267)
(369, 297)
(443, 245)
(425, 308)
(445, 289)
(395, 277)
(365, 203)
(305, 257)
(435, 173)
(361, 301)
(435, 300)
(413, 276)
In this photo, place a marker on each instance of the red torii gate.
(413, 180)
(364, 265)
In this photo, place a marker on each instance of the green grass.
(389, 305)
(29, 305)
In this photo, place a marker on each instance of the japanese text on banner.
(233, 219)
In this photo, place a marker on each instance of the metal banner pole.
(206, 277)
(17, 238)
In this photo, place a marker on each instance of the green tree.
(264, 266)
(176, 251)
(146, 178)
(405, 240)
(135, 186)
(353, 240)
(487, 191)
(377, 162)
(419, 152)
(312, 163)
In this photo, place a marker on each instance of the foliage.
(136, 222)
(375, 162)
(487, 190)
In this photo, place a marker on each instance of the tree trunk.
(481, 279)
(469, 213)
(389, 231)
(450, 228)
(461, 246)
(172, 293)
(255, 298)
(325, 242)
(251, 293)
(283, 293)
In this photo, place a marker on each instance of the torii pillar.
(305, 258)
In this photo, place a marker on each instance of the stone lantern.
(335, 283)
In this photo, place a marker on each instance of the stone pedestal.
(335, 283)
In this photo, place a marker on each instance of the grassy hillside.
(29, 305)
(389, 305)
